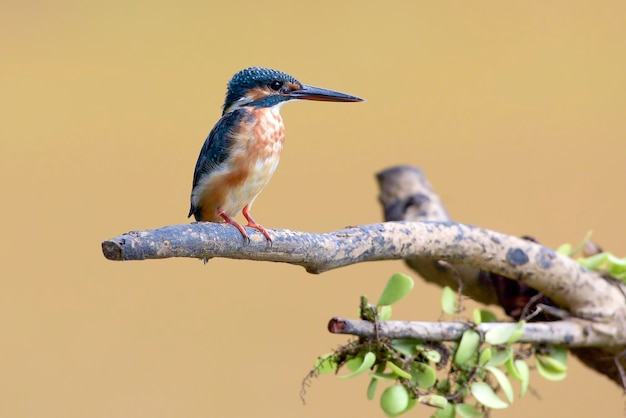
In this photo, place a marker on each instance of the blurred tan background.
(516, 111)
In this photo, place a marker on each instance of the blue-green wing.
(215, 150)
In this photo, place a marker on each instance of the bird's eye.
(276, 85)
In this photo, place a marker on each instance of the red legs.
(251, 223)
(234, 223)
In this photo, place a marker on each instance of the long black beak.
(320, 94)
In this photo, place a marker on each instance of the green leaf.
(614, 261)
(398, 370)
(515, 337)
(483, 315)
(394, 400)
(432, 355)
(549, 373)
(512, 370)
(499, 357)
(384, 313)
(354, 363)
(405, 346)
(422, 375)
(383, 376)
(448, 301)
(467, 348)
(368, 361)
(467, 411)
(503, 381)
(553, 366)
(443, 386)
(503, 334)
(326, 363)
(524, 372)
(556, 359)
(565, 249)
(486, 396)
(485, 356)
(617, 267)
(446, 412)
(437, 401)
(398, 286)
(595, 262)
(477, 317)
(371, 389)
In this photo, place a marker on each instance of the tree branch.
(441, 251)
(558, 277)
(406, 195)
(571, 332)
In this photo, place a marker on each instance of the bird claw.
(268, 239)
(251, 224)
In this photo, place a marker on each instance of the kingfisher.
(243, 149)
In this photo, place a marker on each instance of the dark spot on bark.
(495, 239)
(460, 235)
(418, 200)
(545, 257)
(395, 211)
(517, 256)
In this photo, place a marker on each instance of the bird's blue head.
(264, 87)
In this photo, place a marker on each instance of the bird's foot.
(261, 230)
(237, 225)
(253, 224)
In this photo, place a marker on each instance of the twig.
(572, 333)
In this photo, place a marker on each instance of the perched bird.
(242, 150)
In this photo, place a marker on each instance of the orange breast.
(253, 158)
